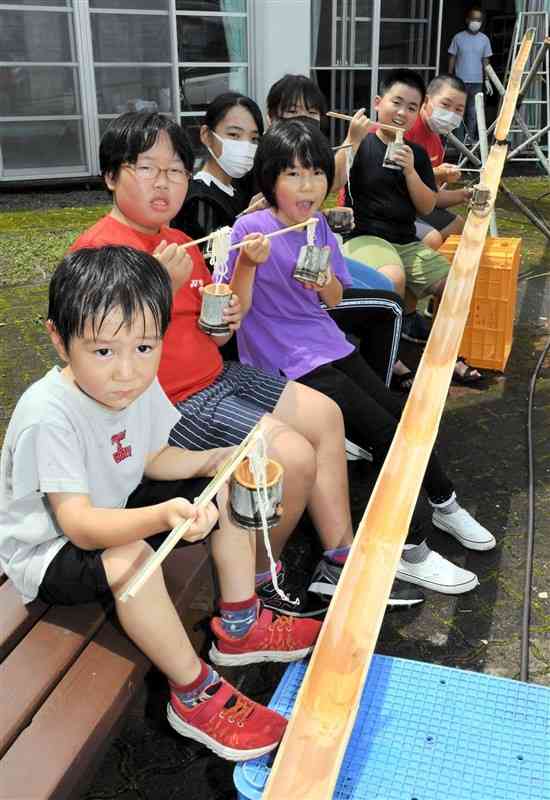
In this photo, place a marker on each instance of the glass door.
(42, 128)
(355, 41)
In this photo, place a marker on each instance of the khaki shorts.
(423, 266)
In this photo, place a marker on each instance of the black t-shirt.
(208, 208)
(379, 196)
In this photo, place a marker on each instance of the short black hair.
(437, 83)
(135, 132)
(221, 104)
(474, 8)
(287, 141)
(89, 283)
(290, 90)
(407, 76)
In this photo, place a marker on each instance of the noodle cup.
(313, 264)
(340, 219)
(244, 503)
(215, 298)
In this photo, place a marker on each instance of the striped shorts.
(226, 411)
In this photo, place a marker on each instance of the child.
(387, 201)
(75, 519)
(440, 113)
(285, 330)
(232, 128)
(145, 160)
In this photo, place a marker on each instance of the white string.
(310, 230)
(217, 251)
(257, 459)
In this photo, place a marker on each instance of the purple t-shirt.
(286, 330)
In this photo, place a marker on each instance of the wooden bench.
(67, 675)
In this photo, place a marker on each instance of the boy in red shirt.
(441, 112)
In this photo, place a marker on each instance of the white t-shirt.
(60, 440)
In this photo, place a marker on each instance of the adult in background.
(469, 54)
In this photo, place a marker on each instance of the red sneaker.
(269, 639)
(228, 723)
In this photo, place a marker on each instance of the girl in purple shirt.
(285, 330)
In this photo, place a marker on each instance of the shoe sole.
(238, 659)
(408, 338)
(467, 543)
(317, 587)
(297, 615)
(460, 588)
(324, 589)
(229, 753)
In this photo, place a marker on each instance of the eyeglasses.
(147, 173)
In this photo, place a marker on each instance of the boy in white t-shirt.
(89, 485)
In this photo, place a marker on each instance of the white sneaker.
(436, 573)
(465, 528)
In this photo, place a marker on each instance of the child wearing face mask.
(440, 113)
(232, 128)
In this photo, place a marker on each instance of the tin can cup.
(312, 264)
(243, 497)
(388, 161)
(215, 298)
(340, 220)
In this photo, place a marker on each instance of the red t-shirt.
(422, 134)
(190, 359)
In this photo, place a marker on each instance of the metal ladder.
(535, 104)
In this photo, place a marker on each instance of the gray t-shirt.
(470, 49)
(60, 440)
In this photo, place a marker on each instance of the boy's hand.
(179, 510)
(358, 129)
(448, 173)
(404, 156)
(257, 248)
(467, 193)
(177, 262)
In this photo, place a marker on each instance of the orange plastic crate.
(489, 331)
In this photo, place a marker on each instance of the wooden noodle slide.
(308, 761)
(311, 221)
(222, 475)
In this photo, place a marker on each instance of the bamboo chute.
(308, 760)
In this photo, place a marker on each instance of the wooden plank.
(308, 760)
(73, 727)
(16, 618)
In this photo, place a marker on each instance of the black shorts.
(77, 576)
(439, 218)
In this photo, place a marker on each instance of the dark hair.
(407, 76)
(221, 104)
(135, 132)
(285, 142)
(437, 83)
(89, 283)
(474, 8)
(290, 90)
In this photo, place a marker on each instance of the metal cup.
(388, 161)
(340, 219)
(312, 265)
(243, 497)
(215, 298)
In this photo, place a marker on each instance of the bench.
(67, 675)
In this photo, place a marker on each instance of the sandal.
(402, 383)
(469, 377)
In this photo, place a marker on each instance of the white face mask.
(474, 25)
(236, 158)
(443, 121)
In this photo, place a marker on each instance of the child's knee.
(122, 562)
(433, 239)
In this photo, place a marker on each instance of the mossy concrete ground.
(483, 442)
